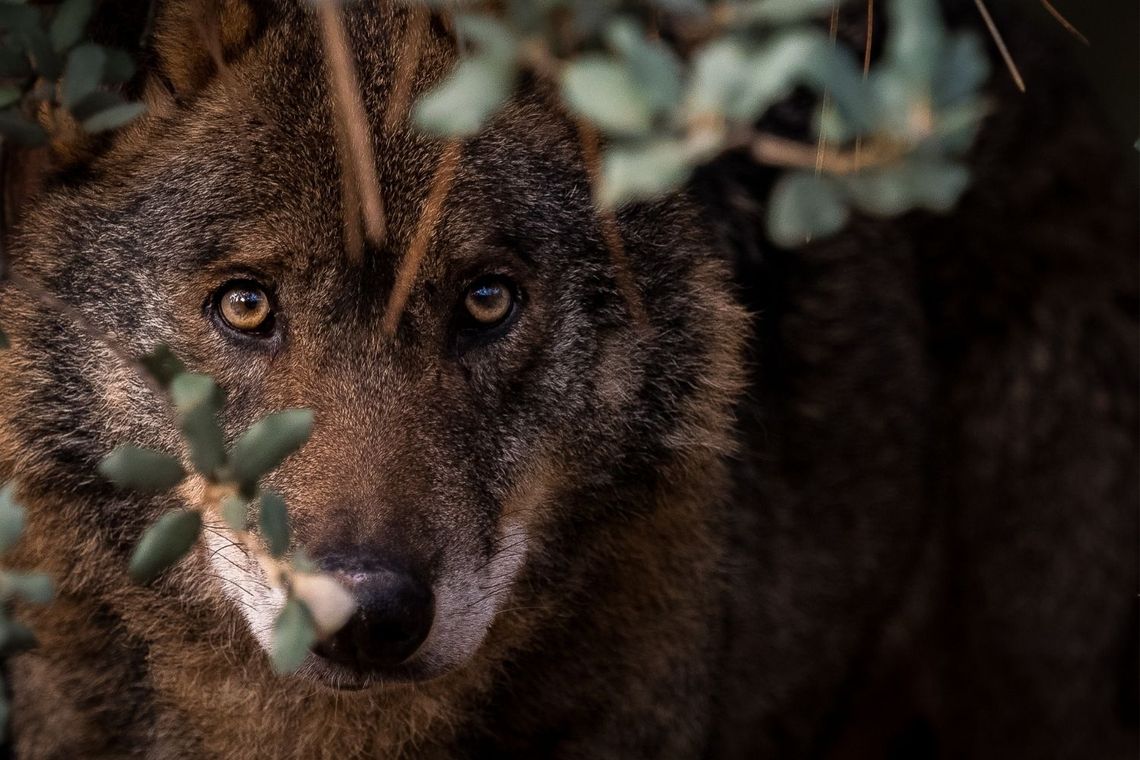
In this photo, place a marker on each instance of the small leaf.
(48, 63)
(198, 400)
(9, 96)
(140, 469)
(113, 117)
(162, 364)
(930, 184)
(19, 128)
(166, 542)
(643, 172)
(274, 521)
(265, 445)
(461, 104)
(35, 588)
(69, 23)
(329, 603)
(293, 634)
(605, 92)
(12, 517)
(802, 207)
(83, 75)
(653, 65)
(235, 511)
(120, 66)
(15, 637)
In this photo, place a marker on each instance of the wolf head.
(459, 467)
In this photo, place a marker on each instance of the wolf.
(871, 498)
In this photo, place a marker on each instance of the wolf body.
(875, 497)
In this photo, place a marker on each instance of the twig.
(409, 60)
(611, 232)
(1005, 54)
(358, 160)
(429, 220)
(870, 35)
(780, 151)
(1064, 21)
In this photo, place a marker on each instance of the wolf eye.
(489, 301)
(245, 307)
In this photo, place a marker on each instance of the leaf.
(461, 104)
(198, 400)
(330, 604)
(643, 172)
(293, 634)
(113, 117)
(15, 637)
(266, 444)
(653, 65)
(9, 96)
(235, 511)
(605, 92)
(931, 184)
(274, 522)
(19, 128)
(12, 518)
(803, 206)
(35, 588)
(69, 23)
(140, 469)
(83, 75)
(120, 66)
(162, 364)
(166, 542)
(961, 72)
(46, 61)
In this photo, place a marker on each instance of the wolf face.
(452, 464)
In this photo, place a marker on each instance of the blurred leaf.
(779, 11)
(47, 62)
(166, 542)
(235, 511)
(802, 207)
(120, 66)
(162, 364)
(961, 72)
(69, 23)
(35, 588)
(198, 400)
(113, 117)
(9, 96)
(94, 103)
(83, 75)
(140, 469)
(293, 634)
(915, 42)
(643, 171)
(329, 603)
(302, 563)
(12, 517)
(15, 126)
(15, 637)
(274, 521)
(605, 92)
(461, 104)
(265, 445)
(932, 184)
(652, 64)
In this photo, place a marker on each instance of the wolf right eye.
(245, 307)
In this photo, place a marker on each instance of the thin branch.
(611, 231)
(1064, 21)
(1005, 54)
(409, 60)
(358, 160)
(870, 36)
(780, 151)
(429, 220)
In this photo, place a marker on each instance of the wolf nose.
(393, 617)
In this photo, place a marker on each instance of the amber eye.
(489, 301)
(245, 307)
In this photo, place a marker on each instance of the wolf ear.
(192, 38)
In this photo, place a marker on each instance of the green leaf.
(113, 117)
(166, 542)
(235, 511)
(17, 127)
(274, 521)
(605, 92)
(9, 96)
(83, 75)
(804, 206)
(140, 469)
(461, 104)
(46, 61)
(198, 400)
(643, 171)
(265, 445)
(12, 518)
(162, 365)
(293, 634)
(961, 72)
(653, 65)
(931, 184)
(69, 23)
(35, 588)
(120, 66)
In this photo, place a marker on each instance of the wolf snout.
(394, 615)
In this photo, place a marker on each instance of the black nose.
(393, 617)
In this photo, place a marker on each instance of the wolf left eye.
(489, 301)
(244, 306)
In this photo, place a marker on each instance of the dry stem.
(1005, 54)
